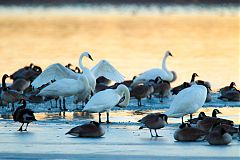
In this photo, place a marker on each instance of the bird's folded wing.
(53, 72)
(105, 69)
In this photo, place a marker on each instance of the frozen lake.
(46, 138)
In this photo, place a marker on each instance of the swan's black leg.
(26, 127)
(99, 117)
(108, 117)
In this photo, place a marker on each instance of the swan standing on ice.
(164, 73)
(188, 101)
(67, 87)
(104, 101)
(58, 72)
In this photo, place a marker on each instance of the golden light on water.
(207, 45)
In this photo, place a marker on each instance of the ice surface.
(46, 138)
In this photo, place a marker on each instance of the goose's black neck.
(193, 77)
(4, 86)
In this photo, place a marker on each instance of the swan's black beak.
(90, 57)
(170, 54)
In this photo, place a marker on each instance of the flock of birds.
(92, 88)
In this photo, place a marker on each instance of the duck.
(57, 71)
(154, 121)
(8, 95)
(188, 133)
(141, 91)
(92, 129)
(232, 95)
(225, 89)
(67, 87)
(23, 115)
(219, 136)
(162, 88)
(187, 101)
(104, 101)
(164, 73)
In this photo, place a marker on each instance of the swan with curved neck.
(87, 72)
(104, 101)
(151, 74)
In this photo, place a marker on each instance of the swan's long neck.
(80, 62)
(164, 63)
(124, 91)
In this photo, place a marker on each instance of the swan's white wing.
(55, 71)
(102, 101)
(188, 101)
(105, 69)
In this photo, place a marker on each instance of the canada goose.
(77, 70)
(164, 73)
(219, 136)
(206, 123)
(104, 101)
(233, 95)
(10, 96)
(162, 87)
(127, 83)
(92, 129)
(177, 89)
(20, 85)
(154, 121)
(141, 91)
(233, 131)
(28, 74)
(188, 133)
(21, 71)
(103, 80)
(225, 89)
(202, 115)
(23, 115)
(187, 101)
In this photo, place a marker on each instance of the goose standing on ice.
(164, 73)
(8, 95)
(187, 101)
(23, 115)
(104, 101)
(154, 121)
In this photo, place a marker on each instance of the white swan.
(103, 101)
(58, 71)
(67, 87)
(187, 101)
(164, 73)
